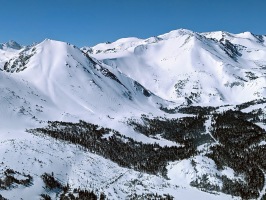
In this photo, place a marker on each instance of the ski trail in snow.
(208, 127)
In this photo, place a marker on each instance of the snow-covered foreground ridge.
(163, 117)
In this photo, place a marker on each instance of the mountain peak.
(177, 33)
(12, 44)
(47, 41)
(247, 35)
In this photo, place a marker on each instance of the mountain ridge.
(225, 59)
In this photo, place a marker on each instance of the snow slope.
(36, 155)
(53, 75)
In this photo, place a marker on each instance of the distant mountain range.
(214, 67)
(171, 116)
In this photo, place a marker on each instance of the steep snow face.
(182, 65)
(56, 81)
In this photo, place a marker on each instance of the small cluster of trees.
(204, 184)
(79, 194)
(187, 130)
(50, 182)
(9, 179)
(152, 197)
(197, 110)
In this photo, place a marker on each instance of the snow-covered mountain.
(55, 80)
(214, 67)
(153, 113)
(10, 45)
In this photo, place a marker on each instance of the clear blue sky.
(88, 22)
